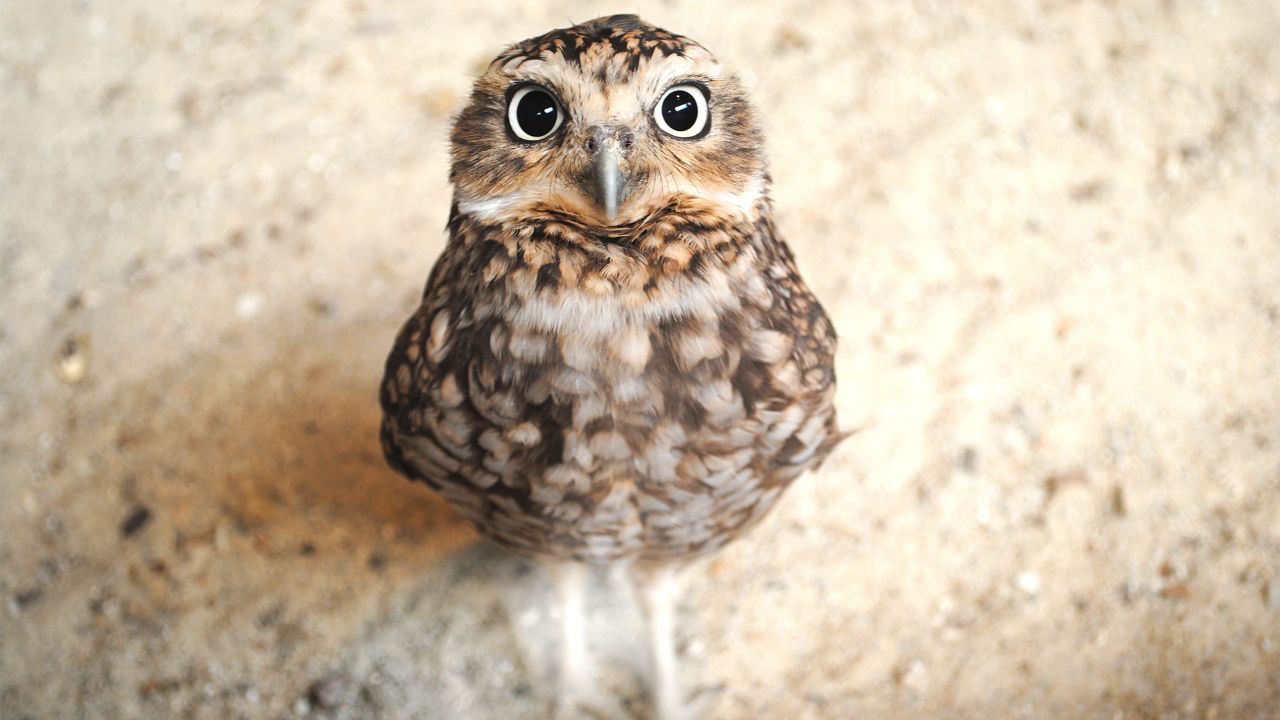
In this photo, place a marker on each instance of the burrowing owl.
(615, 358)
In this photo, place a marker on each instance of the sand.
(1048, 234)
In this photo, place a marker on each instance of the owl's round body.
(615, 356)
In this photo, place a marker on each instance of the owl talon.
(588, 705)
(701, 702)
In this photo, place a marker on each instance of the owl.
(615, 360)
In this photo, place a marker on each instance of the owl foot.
(597, 701)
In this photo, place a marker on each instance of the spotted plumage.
(615, 357)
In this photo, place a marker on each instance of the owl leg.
(573, 681)
(659, 590)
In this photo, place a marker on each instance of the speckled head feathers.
(616, 35)
(604, 81)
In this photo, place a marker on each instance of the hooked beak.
(605, 180)
(608, 179)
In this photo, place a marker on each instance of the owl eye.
(532, 113)
(682, 111)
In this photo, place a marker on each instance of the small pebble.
(1029, 583)
(915, 677)
(1057, 482)
(330, 691)
(1119, 507)
(72, 361)
(136, 520)
(248, 305)
(27, 598)
(320, 306)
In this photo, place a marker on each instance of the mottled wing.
(461, 411)
(755, 416)
(808, 377)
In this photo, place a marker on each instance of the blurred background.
(1048, 234)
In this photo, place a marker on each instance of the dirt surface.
(1048, 233)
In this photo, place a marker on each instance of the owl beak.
(608, 179)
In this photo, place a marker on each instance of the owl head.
(606, 122)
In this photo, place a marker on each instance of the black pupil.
(679, 110)
(536, 113)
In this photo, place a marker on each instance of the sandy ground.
(1049, 235)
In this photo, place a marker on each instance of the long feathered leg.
(659, 591)
(574, 679)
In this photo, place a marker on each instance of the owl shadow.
(289, 458)
(491, 628)
(297, 445)
(290, 455)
